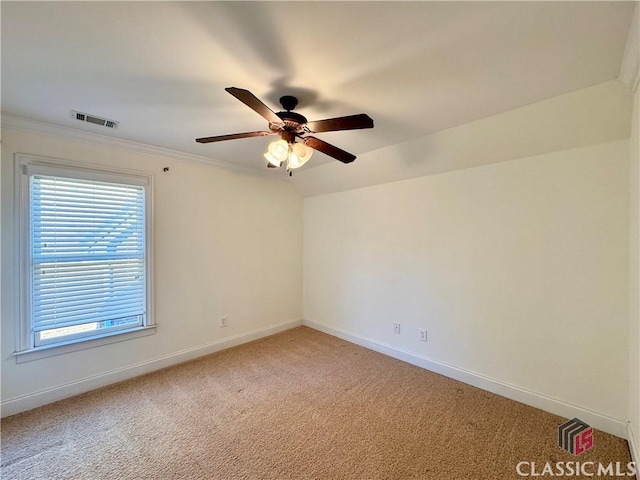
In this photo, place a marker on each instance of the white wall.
(634, 289)
(518, 270)
(215, 232)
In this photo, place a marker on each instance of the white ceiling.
(160, 68)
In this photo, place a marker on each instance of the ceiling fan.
(290, 125)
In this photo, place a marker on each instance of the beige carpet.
(297, 405)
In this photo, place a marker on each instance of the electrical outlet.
(423, 334)
(223, 322)
(396, 327)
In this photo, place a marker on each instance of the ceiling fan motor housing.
(291, 122)
(288, 102)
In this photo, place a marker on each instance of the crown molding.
(15, 122)
(630, 67)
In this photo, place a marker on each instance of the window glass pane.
(92, 329)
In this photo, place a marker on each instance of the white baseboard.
(634, 447)
(37, 399)
(543, 402)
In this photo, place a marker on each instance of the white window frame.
(27, 165)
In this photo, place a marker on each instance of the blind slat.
(67, 310)
(71, 290)
(52, 275)
(51, 304)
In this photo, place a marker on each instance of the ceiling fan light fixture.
(279, 150)
(299, 155)
(277, 153)
(271, 161)
(293, 162)
(295, 154)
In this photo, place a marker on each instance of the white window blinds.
(88, 257)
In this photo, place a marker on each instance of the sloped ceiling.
(160, 68)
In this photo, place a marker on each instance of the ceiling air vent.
(85, 117)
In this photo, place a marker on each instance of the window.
(85, 253)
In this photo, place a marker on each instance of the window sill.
(81, 344)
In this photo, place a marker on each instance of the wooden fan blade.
(251, 101)
(233, 136)
(327, 148)
(351, 122)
